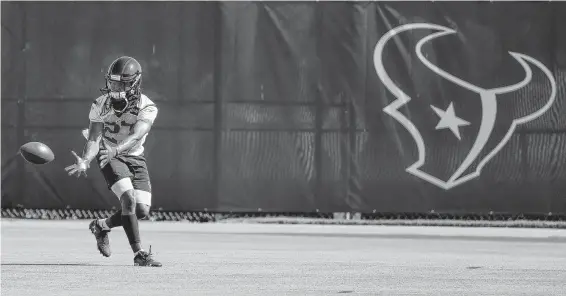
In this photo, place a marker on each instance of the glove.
(106, 154)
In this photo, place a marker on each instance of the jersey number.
(111, 129)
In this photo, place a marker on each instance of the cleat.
(144, 258)
(102, 240)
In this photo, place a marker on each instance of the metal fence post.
(21, 130)
(218, 84)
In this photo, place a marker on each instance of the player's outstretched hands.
(79, 168)
(106, 154)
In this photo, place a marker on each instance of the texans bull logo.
(487, 133)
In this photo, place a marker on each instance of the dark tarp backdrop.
(291, 107)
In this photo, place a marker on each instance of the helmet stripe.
(125, 66)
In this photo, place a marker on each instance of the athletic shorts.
(124, 170)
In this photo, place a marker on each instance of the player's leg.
(142, 186)
(142, 207)
(129, 219)
(125, 190)
(118, 178)
(142, 212)
(135, 199)
(142, 189)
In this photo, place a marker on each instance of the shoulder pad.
(145, 101)
(99, 101)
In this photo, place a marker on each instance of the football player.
(120, 120)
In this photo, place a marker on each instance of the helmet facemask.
(121, 92)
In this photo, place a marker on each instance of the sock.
(130, 224)
(102, 224)
(114, 220)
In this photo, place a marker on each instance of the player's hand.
(79, 168)
(106, 154)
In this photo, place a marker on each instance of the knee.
(128, 201)
(142, 211)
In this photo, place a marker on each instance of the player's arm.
(92, 145)
(141, 128)
(143, 125)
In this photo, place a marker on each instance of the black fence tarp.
(298, 106)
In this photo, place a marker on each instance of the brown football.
(37, 153)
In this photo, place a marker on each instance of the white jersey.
(116, 129)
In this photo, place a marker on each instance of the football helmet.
(123, 83)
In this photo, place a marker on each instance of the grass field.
(60, 258)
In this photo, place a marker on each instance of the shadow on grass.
(59, 264)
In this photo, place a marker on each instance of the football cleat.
(102, 240)
(144, 258)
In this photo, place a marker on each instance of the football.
(37, 153)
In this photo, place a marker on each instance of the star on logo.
(448, 119)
